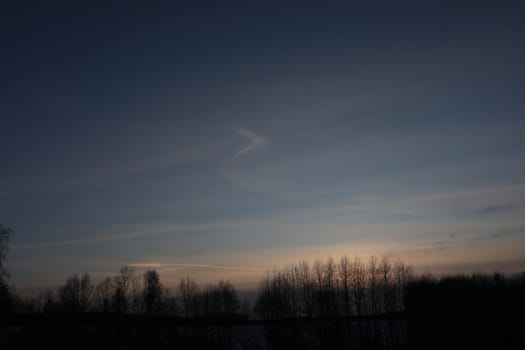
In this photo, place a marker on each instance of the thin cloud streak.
(155, 161)
(497, 208)
(255, 141)
(190, 265)
(170, 229)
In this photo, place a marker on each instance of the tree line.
(132, 293)
(380, 303)
(330, 289)
(322, 289)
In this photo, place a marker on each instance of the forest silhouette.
(345, 304)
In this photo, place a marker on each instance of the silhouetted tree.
(345, 274)
(121, 290)
(373, 282)
(403, 275)
(5, 233)
(307, 288)
(5, 293)
(135, 292)
(387, 285)
(48, 302)
(291, 275)
(75, 295)
(330, 286)
(219, 299)
(187, 294)
(153, 294)
(358, 279)
(264, 305)
(104, 294)
(228, 300)
(319, 277)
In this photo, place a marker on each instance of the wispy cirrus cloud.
(194, 266)
(158, 230)
(497, 208)
(255, 141)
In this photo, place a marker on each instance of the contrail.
(255, 141)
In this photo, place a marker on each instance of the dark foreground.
(434, 330)
(478, 312)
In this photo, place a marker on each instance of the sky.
(224, 139)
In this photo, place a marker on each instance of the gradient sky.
(223, 139)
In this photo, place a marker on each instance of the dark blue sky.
(224, 138)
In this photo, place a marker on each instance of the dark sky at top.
(213, 137)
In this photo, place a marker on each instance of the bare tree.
(264, 304)
(358, 285)
(187, 292)
(281, 293)
(135, 292)
(75, 295)
(121, 291)
(5, 233)
(204, 301)
(48, 302)
(345, 274)
(104, 293)
(290, 273)
(41, 300)
(307, 288)
(5, 293)
(330, 287)
(154, 295)
(386, 284)
(319, 277)
(373, 282)
(229, 299)
(222, 299)
(86, 292)
(403, 274)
